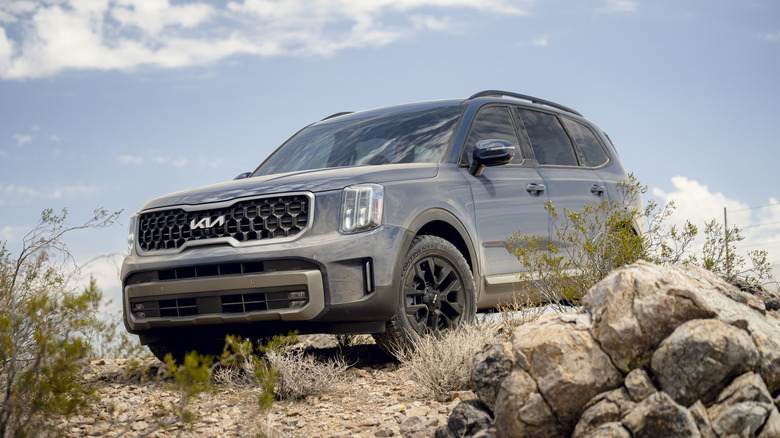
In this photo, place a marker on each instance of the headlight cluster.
(361, 208)
(131, 235)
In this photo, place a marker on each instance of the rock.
(659, 416)
(634, 308)
(467, 419)
(490, 367)
(639, 385)
(702, 420)
(771, 300)
(771, 427)
(408, 425)
(655, 351)
(605, 408)
(700, 358)
(609, 430)
(566, 363)
(742, 408)
(522, 411)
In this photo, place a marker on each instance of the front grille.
(244, 221)
(230, 302)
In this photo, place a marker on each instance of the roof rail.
(337, 115)
(499, 93)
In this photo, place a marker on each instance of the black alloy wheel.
(437, 293)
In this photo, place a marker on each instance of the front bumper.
(320, 283)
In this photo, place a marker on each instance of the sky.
(109, 103)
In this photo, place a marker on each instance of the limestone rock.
(467, 419)
(639, 385)
(635, 308)
(700, 358)
(566, 363)
(491, 367)
(605, 408)
(742, 408)
(659, 416)
(609, 430)
(702, 420)
(521, 410)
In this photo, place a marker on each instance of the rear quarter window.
(592, 151)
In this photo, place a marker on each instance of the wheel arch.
(441, 223)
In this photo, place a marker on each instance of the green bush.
(588, 244)
(45, 327)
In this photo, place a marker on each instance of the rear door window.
(592, 152)
(548, 140)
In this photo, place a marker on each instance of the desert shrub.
(585, 247)
(444, 364)
(45, 327)
(588, 244)
(280, 368)
(299, 374)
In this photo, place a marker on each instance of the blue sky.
(113, 102)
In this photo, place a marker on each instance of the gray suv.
(387, 221)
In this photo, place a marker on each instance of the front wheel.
(437, 294)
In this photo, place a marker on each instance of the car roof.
(482, 96)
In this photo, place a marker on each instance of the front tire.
(437, 294)
(178, 350)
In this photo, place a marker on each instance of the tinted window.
(548, 140)
(491, 123)
(584, 138)
(403, 137)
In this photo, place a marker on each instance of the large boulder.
(655, 351)
(566, 368)
(700, 358)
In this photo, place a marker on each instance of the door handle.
(597, 189)
(535, 189)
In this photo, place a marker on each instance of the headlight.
(361, 208)
(131, 235)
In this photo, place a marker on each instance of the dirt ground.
(374, 400)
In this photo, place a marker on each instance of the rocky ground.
(375, 400)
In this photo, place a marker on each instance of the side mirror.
(491, 153)
(242, 175)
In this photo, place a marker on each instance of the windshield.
(404, 137)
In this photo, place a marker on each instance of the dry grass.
(299, 374)
(518, 312)
(441, 365)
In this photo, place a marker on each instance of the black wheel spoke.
(443, 322)
(457, 308)
(446, 270)
(454, 286)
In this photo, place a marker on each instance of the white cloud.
(13, 234)
(542, 41)
(54, 138)
(22, 139)
(105, 269)
(130, 159)
(620, 6)
(77, 190)
(152, 16)
(53, 36)
(20, 194)
(760, 225)
(772, 37)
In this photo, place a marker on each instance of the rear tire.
(437, 294)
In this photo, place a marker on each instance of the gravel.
(375, 400)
